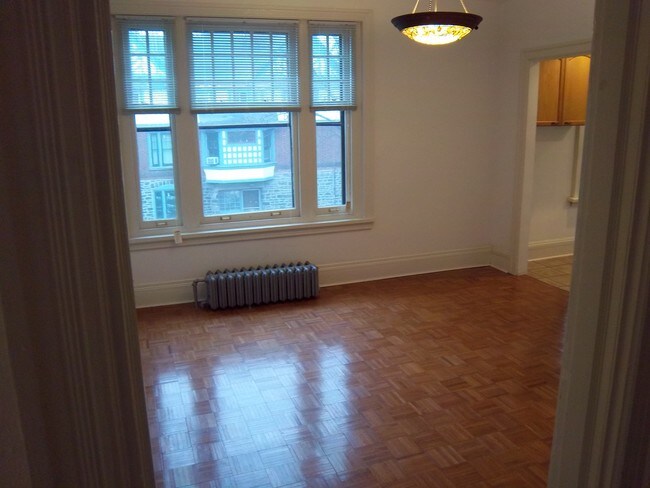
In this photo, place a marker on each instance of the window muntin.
(245, 148)
(156, 175)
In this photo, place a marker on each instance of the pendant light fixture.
(437, 28)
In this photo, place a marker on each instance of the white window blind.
(243, 66)
(148, 64)
(333, 83)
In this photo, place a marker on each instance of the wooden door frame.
(68, 338)
(595, 441)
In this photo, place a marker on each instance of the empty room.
(299, 243)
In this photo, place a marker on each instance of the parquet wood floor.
(439, 380)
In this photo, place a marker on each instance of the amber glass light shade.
(437, 28)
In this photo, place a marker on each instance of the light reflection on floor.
(435, 380)
(251, 419)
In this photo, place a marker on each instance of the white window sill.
(200, 238)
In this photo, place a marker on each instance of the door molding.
(66, 287)
(523, 199)
(594, 441)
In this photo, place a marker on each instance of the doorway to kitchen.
(548, 178)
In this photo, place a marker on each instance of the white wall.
(553, 218)
(433, 153)
(444, 125)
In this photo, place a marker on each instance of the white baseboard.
(168, 293)
(550, 248)
(378, 269)
(500, 261)
(173, 292)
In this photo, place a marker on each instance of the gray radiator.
(248, 286)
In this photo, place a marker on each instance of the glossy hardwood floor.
(439, 380)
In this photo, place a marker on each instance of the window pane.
(330, 158)
(246, 162)
(156, 167)
(148, 64)
(236, 65)
(332, 65)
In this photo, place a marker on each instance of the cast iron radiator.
(249, 286)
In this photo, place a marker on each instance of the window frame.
(308, 218)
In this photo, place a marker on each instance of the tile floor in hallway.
(554, 271)
(439, 380)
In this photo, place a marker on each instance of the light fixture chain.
(464, 7)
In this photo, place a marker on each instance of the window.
(333, 87)
(262, 142)
(155, 167)
(164, 203)
(330, 158)
(160, 149)
(237, 148)
(148, 64)
(232, 201)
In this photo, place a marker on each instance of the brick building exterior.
(251, 194)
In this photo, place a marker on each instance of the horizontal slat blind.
(333, 83)
(243, 66)
(148, 64)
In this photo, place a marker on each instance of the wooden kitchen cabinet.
(548, 101)
(563, 86)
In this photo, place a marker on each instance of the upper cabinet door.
(548, 102)
(563, 86)
(576, 86)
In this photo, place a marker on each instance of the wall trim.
(227, 9)
(269, 231)
(500, 261)
(180, 291)
(550, 248)
(167, 293)
(393, 267)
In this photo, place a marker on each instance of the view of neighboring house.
(245, 163)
